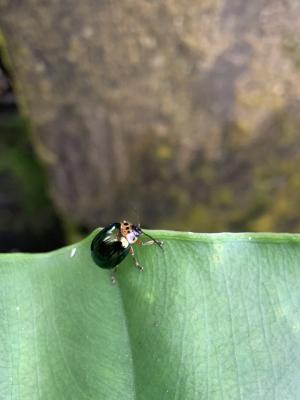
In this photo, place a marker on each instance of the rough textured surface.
(170, 107)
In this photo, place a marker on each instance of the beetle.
(114, 242)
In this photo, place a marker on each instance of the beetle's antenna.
(159, 244)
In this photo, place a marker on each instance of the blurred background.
(175, 114)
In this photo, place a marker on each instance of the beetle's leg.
(136, 263)
(150, 242)
(113, 275)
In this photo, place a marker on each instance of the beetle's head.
(130, 232)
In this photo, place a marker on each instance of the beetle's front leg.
(150, 242)
(136, 263)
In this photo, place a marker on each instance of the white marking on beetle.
(124, 242)
(73, 252)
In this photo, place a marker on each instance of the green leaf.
(214, 316)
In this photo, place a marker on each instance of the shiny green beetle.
(114, 242)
